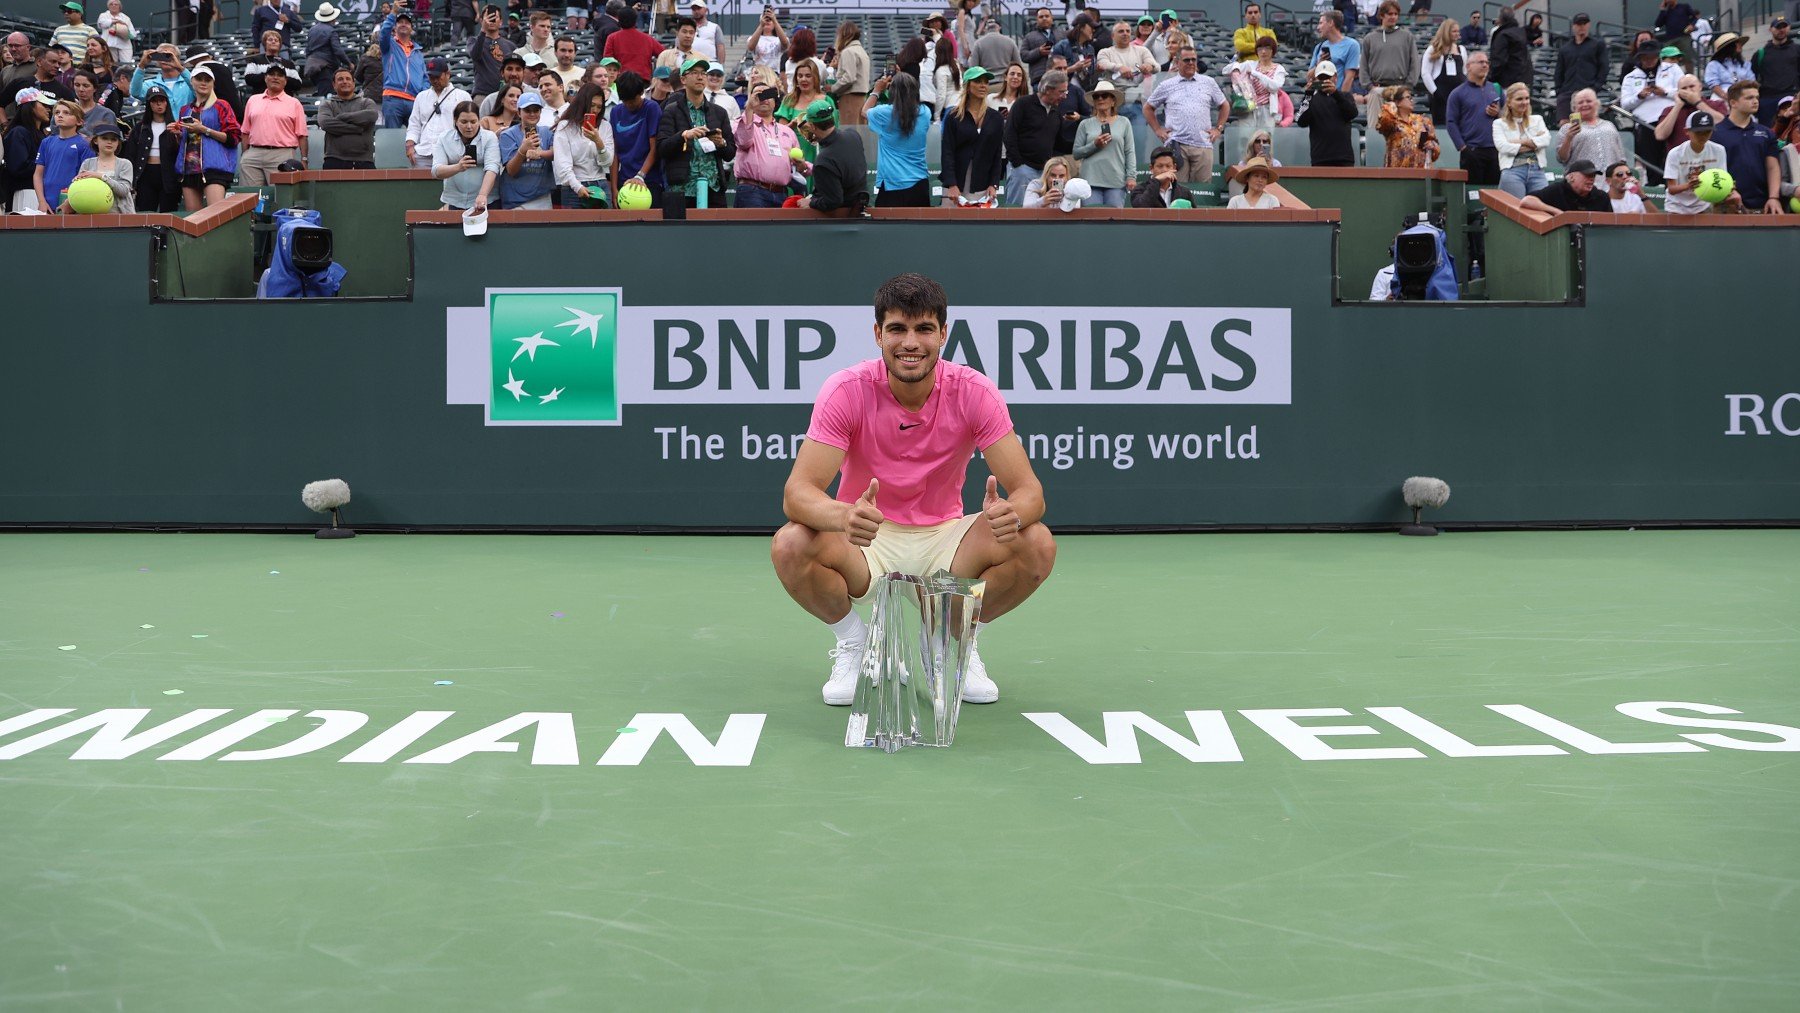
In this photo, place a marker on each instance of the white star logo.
(547, 398)
(514, 384)
(529, 346)
(589, 322)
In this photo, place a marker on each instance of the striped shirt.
(74, 38)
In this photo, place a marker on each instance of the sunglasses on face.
(1190, 59)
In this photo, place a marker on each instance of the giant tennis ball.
(1714, 185)
(634, 197)
(90, 197)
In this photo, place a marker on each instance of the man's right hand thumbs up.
(865, 518)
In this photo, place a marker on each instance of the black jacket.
(1510, 56)
(137, 149)
(1327, 119)
(840, 174)
(672, 148)
(1033, 133)
(1148, 195)
(1580, 65)
(973, 152)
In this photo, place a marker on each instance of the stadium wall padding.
(215, 413)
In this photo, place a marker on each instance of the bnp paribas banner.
(588, 357)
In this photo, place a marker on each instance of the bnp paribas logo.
(552, 356)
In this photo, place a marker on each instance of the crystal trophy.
(920, 635)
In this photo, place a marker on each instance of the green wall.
(216, 413)
(1374, 209)
(367, 220)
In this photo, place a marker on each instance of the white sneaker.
(846, 667)
(976, 686)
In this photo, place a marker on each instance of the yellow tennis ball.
(796, 154)
(1714, 186)
(634, 197)
(90, 197)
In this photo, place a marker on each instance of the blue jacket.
(402, 73)
(179, 89)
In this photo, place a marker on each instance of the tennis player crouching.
(901, 431)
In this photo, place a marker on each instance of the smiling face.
(551, 87)
(1056, 176)
(1519, 105)
(1015, 79)
(96, 50)
(910, 345)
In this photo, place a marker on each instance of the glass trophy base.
(909, 692)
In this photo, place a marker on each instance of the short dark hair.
(681, 23)
(912, 295)
(570, 39)
(630, 85)
(627, 18)
(1737, 90)
(344, 70)
(1168, 153)
(1617, 165)
(1335, 17)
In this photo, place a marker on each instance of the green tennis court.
(677, 823)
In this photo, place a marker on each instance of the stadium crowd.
(1051, 118)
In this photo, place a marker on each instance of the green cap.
(607, 61)
(1180, 202)
(694, 64)
(1170, 14)
(978, 73)
(822, 111)
(1669, 51)
(73, 6)
(1145, 19)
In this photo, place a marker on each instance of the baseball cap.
(821, 111)
(72, 6)
(202, 71)
(533, 60)
(276, 69)
(1170, 14)
(1074, 192)
(1583, 166)
(514, 57)
(609, 61)
(1700, 119)
(692, 64)
(402, 16)
(662, 73)
(105, 128)
(698, 3)
(531, 100)
(1580, 19)
(1670, 51)
(1325, 69)
(1145, 19)
(977, 72)
(437, 65)
(1779, 22)
(47, 98)
(716, 68)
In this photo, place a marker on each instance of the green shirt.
(702, 165)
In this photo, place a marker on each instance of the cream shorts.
(902, 548)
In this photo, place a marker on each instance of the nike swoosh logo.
(904, 427)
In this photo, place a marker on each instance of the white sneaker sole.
(839, 696)
(981, 696)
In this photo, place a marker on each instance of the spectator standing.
(462, 22)
(160, 67)
(1587, 136)
(23, 139)
(93, 114)
(1751, 154)
(1014, 86)
(665, 15)
(1469, 115)
(1534, 30)
(840, 175)
(1260, 82)
(902, 124)
(1035, 48)
(16, 60)
(1187, 104)
(1168, 38)
(1580, 63)
(1343, 52)
(937, 90)
(1411, 138)
(433, 112)
(1509, 53)
(992, 48)
(1127, 66)
(683, 50)
(1674, 24)
(804, 47)
(348, 119)
(1787, 134)
(709, 42)
(325, 51)
(1671, 130)
(209, 144)
(59, 156)
(527, 159)
(630, 47)
(1622, 190)
(1106, 146)
(489, 50)
(1647, 94)
(539, 38)
(1163, 188)
(504, 109)
(1258, 174)
(584, 147)
(258, 64)
(1327, 113)
(1473, 34)
(765, 164)
(118, 31)
(768, 42)
(694, 140)
(1033, 130)
(74, 32)
(43, 78)
(1145, 36)
(154, 149)
(1574, 192)
(1685, 162)
(1521, 137)
(1446, 63)
(806, 91)
(1077, 46)
(1243, 41)
(851, 86)
(1390, 55)
(109, 168)
(566, 70)
(1777, 66)
(402, 69)
(368, 70)
(1728, 65)
(467, 159)
(973, 142)
(634, 121)
(605, 23)
(274, 128)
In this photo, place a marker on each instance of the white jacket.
(1507, 138)
(576, 160)
(1649, 111)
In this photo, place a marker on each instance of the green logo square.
(552, 356)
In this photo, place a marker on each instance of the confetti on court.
(443, 682)
(198, 636)
(66, 647)
(146, 626)
(173, 692)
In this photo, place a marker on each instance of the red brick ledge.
(1292, 210)
(235, 205)
(1507, 206)
(345, 175)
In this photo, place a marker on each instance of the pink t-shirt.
(920, 458)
